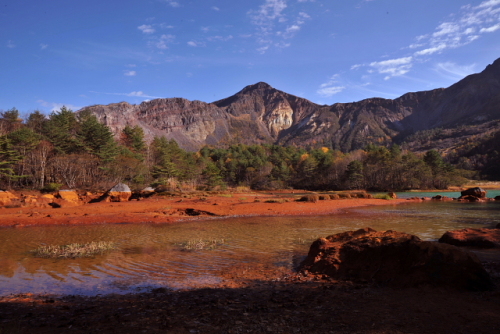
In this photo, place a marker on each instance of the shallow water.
(452, 194)
(149, 256)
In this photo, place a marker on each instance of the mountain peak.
(258, 85)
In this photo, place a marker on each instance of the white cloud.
(130, 73)
(196, 44)
(490, 29)
(172, 3)
(147, 29)
(330, 87)
(431, 50)
(220, 38)
(464, 29)
(393, 67)
(138, 93)
(330, 91)
(162, 42)
(274, 25)
(43, 46)
(216, 8)
(10, 45)
(57, 106)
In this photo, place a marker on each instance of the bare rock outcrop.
(395, 259)
(473, 237)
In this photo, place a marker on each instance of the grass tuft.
(200, 244)
(73, 250)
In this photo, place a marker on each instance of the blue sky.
(80, 53)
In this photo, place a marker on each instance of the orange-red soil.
(170, 209)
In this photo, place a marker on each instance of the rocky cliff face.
(262, 114)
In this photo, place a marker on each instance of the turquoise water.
(453, 194)
(149, 256)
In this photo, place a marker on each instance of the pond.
(149, 256)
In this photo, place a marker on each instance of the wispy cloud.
(274, 26)
(54, 106)
(393, 67)
(146, 28)
(330, 87)
(196, 44)
(216, 8)
(163, 41)
(131, 94)
(10, 44)
(465, 27)
(130, 73)
(454, 71)
(172, 3)
(43, 46)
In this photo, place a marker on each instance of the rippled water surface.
(152, 256)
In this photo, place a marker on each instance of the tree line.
(74, 150)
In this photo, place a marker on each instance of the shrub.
(334, 196)
(324, 197)
(382, 196)
(309, 198)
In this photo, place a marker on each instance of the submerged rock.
(473, 237)
(395, 259)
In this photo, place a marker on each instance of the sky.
(81, 53)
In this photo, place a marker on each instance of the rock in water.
(476, 192)
(395, 259)
(473, 237)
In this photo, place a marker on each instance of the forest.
(75, 151)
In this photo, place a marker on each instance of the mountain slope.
(262, 114)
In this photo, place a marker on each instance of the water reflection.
(151, 255)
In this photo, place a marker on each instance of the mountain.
(261, 114)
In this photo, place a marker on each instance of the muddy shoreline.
(253, 298)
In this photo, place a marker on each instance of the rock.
(395, 259)
(392, 195)
(7, 198)
(473, 237)
(69, 196)
(119, 193)
(497, 198)
(469, 198)
(476, 192)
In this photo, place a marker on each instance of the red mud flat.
(167, 210)
(258, 299)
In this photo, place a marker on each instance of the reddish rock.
(473, 237)
(392, 195)
(469, 198)
(70, 196)
(6, 198)
(395, 259)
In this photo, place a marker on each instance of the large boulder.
(395, 259)
(473, 237)
(476, 192)
(119, 193)
(66, 198)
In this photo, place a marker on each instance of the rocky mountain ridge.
(261, 114)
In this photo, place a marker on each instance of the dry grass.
(200, 244)
(73, 250)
